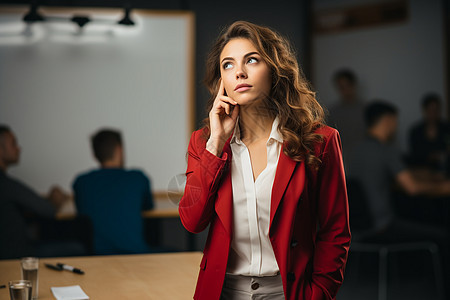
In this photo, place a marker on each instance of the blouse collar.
(274, 133)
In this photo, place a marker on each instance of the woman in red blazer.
(266, 175)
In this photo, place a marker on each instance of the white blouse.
(251, 252)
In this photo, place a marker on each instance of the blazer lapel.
(285, 169)
(224, 201)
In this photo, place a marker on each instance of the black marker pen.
(70, 268)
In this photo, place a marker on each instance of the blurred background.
(145, 79)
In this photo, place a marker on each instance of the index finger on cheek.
(220, 92)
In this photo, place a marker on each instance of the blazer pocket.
(203, 263)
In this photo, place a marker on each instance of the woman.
(266, 175)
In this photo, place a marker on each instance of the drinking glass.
(30, 267)
(20, 290)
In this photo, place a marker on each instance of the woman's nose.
(240, 73)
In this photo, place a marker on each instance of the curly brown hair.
(291, 97)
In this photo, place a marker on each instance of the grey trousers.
(238, 287)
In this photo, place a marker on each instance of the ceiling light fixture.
(33, 15)
(126, 20)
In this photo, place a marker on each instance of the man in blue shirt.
(114, 198)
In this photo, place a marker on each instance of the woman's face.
(245, 75)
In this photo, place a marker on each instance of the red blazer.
(309, 228)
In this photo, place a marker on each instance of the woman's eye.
(252, 60)
(227, 65)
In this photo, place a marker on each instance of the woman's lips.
(242, 87)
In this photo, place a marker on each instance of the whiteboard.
(58, 85)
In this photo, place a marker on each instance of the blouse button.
(255, 286)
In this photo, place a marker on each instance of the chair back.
(360, 217)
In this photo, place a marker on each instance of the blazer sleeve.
(333, 234)
(203, 174)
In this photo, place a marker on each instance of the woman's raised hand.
(222, 119)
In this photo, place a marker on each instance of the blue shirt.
(114, 200)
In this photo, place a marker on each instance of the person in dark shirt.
(376, 164)
(17, 200)
(347, 114)
(429, 140)
(114, 198)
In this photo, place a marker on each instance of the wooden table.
(151, 276)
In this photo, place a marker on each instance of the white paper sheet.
(73, 292)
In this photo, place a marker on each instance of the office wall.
(399, 62)
(58, 86)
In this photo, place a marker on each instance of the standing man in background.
(17, 201)
(114, 198)
(347, 115)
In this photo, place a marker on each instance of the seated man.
(429, 139)
(17, 200)
(377, 164)
(113, 198)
